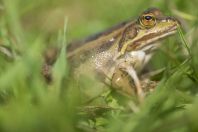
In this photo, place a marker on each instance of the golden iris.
(147, 20)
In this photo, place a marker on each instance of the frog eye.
(147, 20)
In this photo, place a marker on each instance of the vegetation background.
(28, 104)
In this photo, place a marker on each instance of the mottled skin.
(109, 57)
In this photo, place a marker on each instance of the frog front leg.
(122, 82)
(125, 75)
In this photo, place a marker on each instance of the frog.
(116, 56)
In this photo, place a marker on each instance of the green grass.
(28, 104)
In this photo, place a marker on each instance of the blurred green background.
(28, 104)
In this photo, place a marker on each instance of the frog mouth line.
(142, 42)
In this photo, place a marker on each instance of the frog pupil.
(148, 17)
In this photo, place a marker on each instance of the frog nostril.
(168, 19)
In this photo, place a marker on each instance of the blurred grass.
(27, 103)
